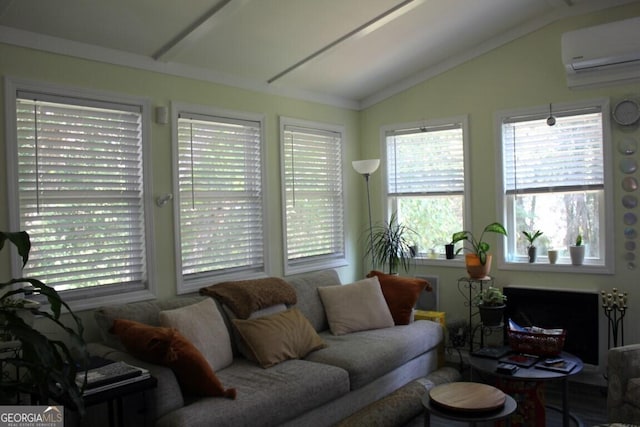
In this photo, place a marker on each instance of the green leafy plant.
(490, 297)
(42, 367)
(478, 246)
(531, 237)
(392, 245)
(579, 240)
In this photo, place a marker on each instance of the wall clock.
(626, 112)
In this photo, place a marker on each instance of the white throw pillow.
(203, 326)
(355, 307)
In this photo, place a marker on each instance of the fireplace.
(575, 311)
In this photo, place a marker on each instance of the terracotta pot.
(475, 269)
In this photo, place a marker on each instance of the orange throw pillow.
(167, 347)
(401, 294)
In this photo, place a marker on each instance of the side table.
(465, 398)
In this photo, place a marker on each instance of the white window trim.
(441, 261)
(83, 299)
(316, 264)
(195, 285)
(609, 220)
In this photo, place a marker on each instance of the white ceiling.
(351, 53)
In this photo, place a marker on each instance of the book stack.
(107, 374)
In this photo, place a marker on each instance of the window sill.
(555, 268)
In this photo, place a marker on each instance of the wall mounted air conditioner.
(608, 53)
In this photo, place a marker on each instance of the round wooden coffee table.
(467, 402)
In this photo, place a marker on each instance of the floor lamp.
(366, 168)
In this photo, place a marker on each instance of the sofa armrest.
(166, 397)
(623, 366)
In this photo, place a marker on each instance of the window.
(555, 179)
(425, 180)
(218, 180)
(77, 179)
(313, 196)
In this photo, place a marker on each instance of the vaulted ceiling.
(351, 53)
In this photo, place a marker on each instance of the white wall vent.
(607, 53)
(429, 300)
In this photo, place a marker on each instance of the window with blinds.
(425, 180)
(80, 193)
(554, 181)
(313, 195)
(220, 196)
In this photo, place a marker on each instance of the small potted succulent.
(531, 248)
(491, 304)
(577, 251)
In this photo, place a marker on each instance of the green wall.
(525, 72)
(35, 65)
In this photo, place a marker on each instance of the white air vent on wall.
(605, 53)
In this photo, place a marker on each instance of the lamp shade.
(364, 167)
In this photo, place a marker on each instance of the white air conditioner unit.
(608, 53)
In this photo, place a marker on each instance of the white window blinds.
(220, 196)
(426, 161)
(564, 157)
(80, 190)
(312, 176)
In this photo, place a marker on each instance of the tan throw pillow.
(358, 306)
(278, 337)
(203, 326)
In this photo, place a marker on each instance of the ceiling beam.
(385, 17)
(198, 29)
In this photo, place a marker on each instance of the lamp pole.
(366, 168)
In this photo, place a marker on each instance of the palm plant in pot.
(392, 245)
(40, 367)
(531, 249)
(490, 303)
(478, 260)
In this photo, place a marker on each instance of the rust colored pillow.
(167, 347)
(401, 294)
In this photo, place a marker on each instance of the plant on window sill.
(531, 238)
(43, 367)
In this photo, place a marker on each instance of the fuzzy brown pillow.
(167, 347)
(401, 294)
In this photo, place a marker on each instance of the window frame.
(84, 298)
(194, 285)
(316, 262)
(388, 204)
(608, 222)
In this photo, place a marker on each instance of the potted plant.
(41, 367)
(490, 303)
(577, 251)
(478, 260)
(531, 249)
(392, 245)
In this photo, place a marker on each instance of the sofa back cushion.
(147, 312)
(309, 302)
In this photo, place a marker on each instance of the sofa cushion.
(355, 307)
(278, 337)
(309, 302)
(203, 326)
(401, 294)
(166, 346)
(146, 312)
(367, 355)
(265, 397)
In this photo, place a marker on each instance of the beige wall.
(526, 72)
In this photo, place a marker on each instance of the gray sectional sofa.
(328, 385)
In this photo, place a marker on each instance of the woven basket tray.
(536, 343)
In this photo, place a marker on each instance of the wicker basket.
(537, 343)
